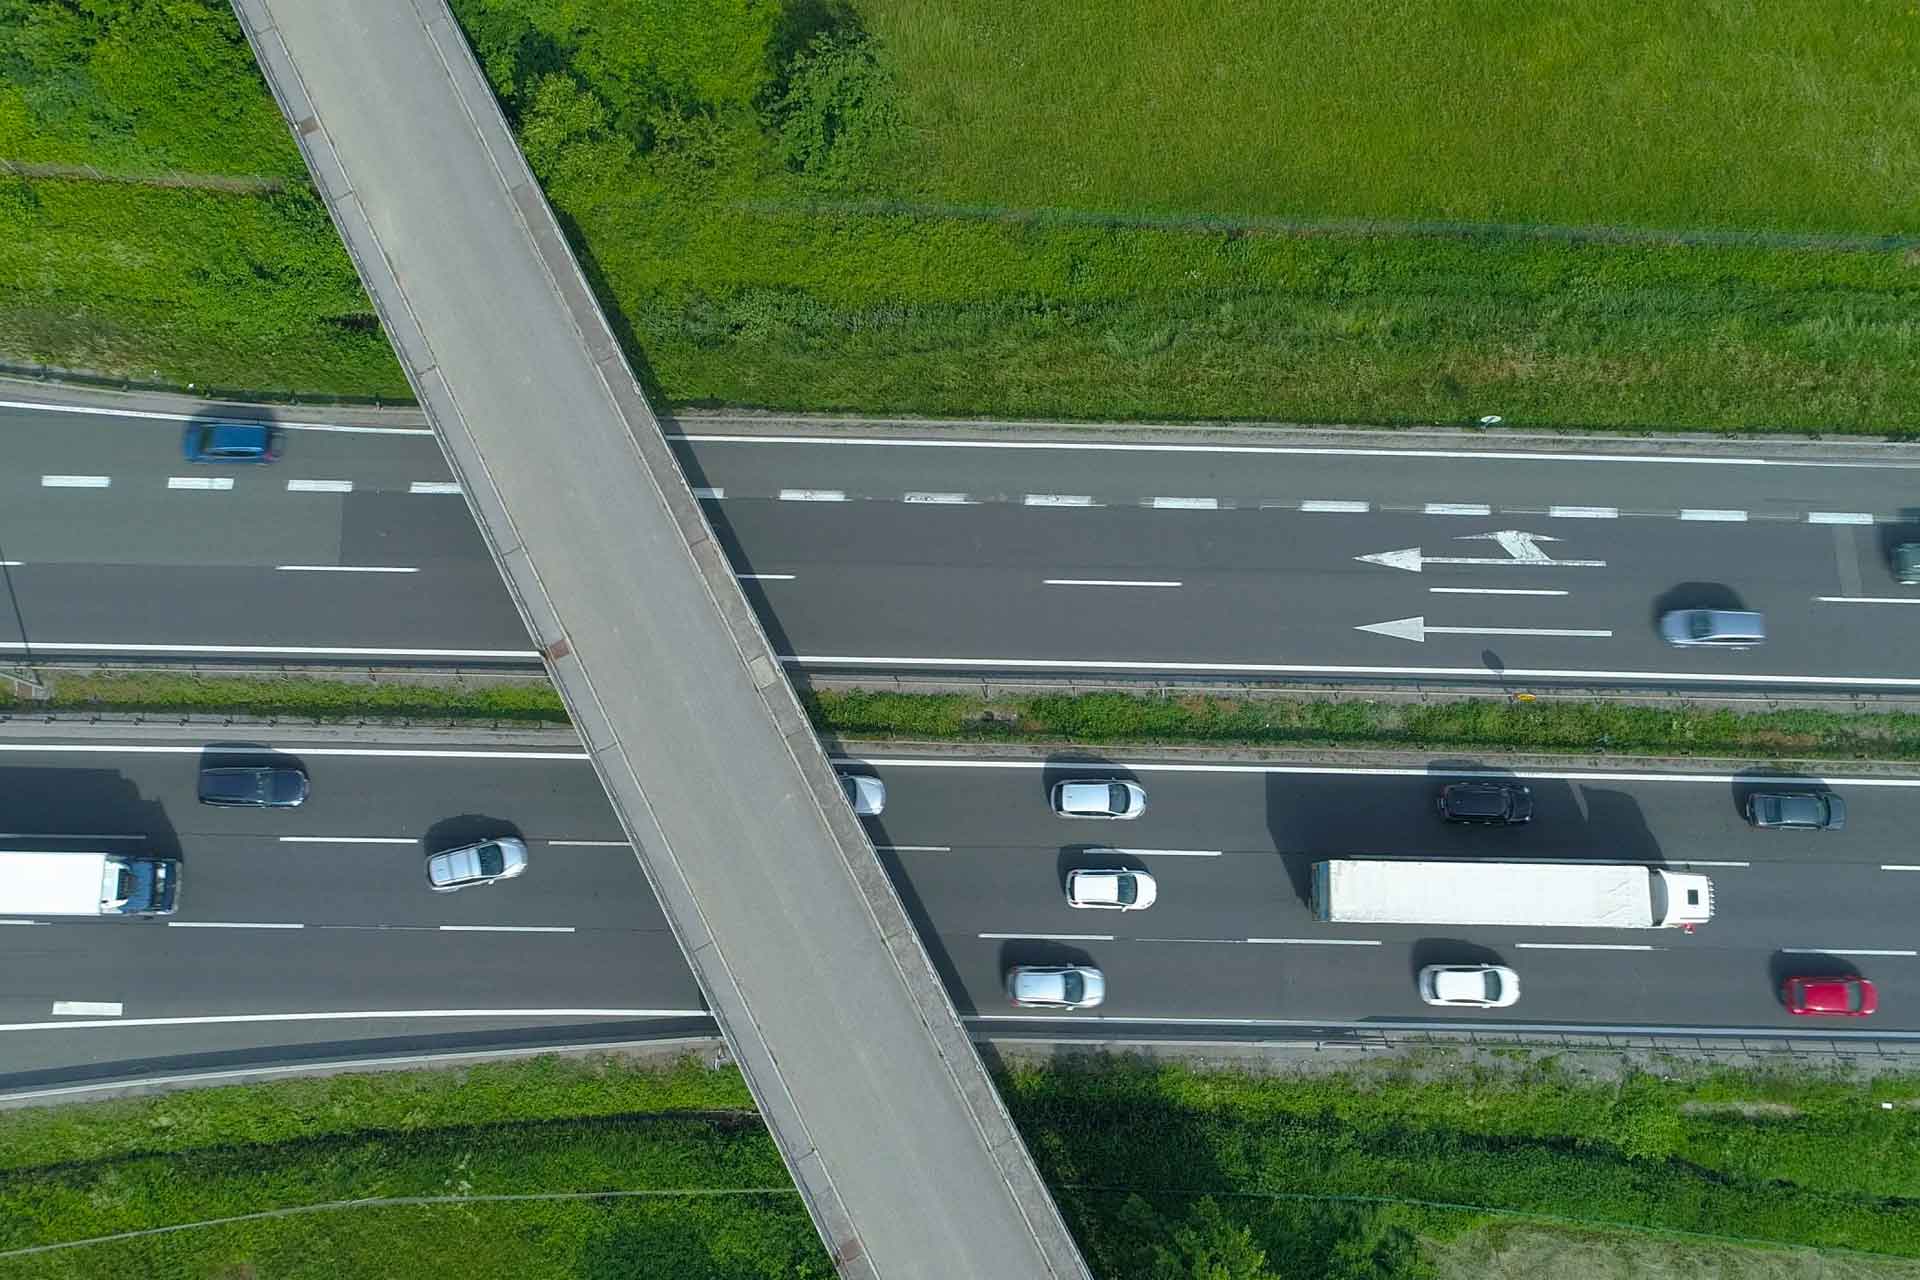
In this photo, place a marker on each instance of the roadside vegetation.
(1104, 719)
(1403, 1169)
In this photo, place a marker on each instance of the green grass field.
(1424, 1168)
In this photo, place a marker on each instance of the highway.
(868, 553)
(313, 927)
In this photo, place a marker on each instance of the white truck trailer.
(1535, 894)
(87, 884)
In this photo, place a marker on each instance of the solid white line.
(344, 568)
(1053, 937)
(1480, 673)
(319, 486)
(913, 848)
(1584, 513)
(370, 752)
(434, 486)
(1868, 599)
(1335, 506)
(1059, 500)
(713, 493)
(591, 844)
(227, 1018)
(1320, 942)
(939, 499)
(1584, 946)
(85, 410)
(231, 924)
(764, 577)
(75, 482)
(1186, 504)
(1899, 866)
(1457, 509)
(214, 483)
(812, 495)
(1492, 591)
(1157, 853)
(1712, 513)
(1838, 951)
(347, 840)
(72, 646)
(59, 835)
(506, 928)
(1839, 517)
(87, 1008)
(1106, 582)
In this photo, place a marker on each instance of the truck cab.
(1681, 899)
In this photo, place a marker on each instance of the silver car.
(482, 863)
(1056, 986)
(1713, 629)
(1099, 798)
(868, 796)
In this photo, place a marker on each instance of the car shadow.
(466, 829)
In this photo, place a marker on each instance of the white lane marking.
(348, 840)
(1466, 455)
(1417, 630)
(812, 495)
(1868, 599)
(939, 499)
(434, 486)
(211, 483)
(1186, 504)
(1053, 937)
(1900, 866)
(372, 752)
(1713, 513)
(1492, 591)
(319, 486)
(1584, 513)
(591, 844)
(1109, 582)
(1521, 548)
(913, 848)
(86, 1008)
(764, 577)
(1839, 517)
(1457, 509)
(345, 568)
(60, 835)
(85, 410)
(75, 482)
(1319, 942)
(232, 924)
(506, 928)
(1157, 853)
(74, 646)
(1059, 500)
(12, 564)
(26, 922)
(1478, 673)
(1584, 946)
(205, 1020)
(709, 493)
(1334, 505)
(1842, 951)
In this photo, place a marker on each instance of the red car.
(1830, 997)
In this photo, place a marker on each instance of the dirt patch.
(1751, 1110)
(1504, 1252)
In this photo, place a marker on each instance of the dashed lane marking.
(812, 495)
(506, 928)
(1713, 513)
(1584, 513)
(1843, 951)
(345, 568)
(1839, 517)
(939, 499)
(86, 1008)
(1186, 504)
(319, 486)
(1457, 509)
(1108, 582)
(214, 484)
(1332, 506)
(1319, 942)
(75, 482)
(232, 924)
(1059, 500)
(1050, 937)
(433, 486)
(1585, 946)
(1868, 599)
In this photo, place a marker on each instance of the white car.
(868, 796)
(1469, 986)
(1099, 798)
(482, 863)
(1056, 986)
(1111, 890)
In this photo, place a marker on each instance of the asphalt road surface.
(314, 926)
(1006, 557)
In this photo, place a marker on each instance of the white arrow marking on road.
(1417, 630)
(1521, 548)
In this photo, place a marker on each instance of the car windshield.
(286, 785)
(1853, 997)
(1700, 626)
(1072, 987)
(1125, 890)
(492, 860)
(1117, 798)
(1492, 984)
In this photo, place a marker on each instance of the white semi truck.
(87, 884)
(1535, 894)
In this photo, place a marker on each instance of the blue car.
(229, 442)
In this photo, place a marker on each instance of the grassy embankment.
(1152, 211)
(1391, 1172)
(1088, 720)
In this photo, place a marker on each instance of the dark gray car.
(1796, 811)
(253, 787)
(1491, 804)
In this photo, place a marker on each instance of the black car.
(1796, 811)
(1493, 804)
(265, 787)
